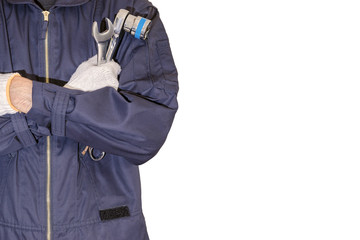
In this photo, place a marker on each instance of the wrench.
(118, 26)
(102, 39)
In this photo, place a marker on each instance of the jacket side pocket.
(5, 162)
(87, 195)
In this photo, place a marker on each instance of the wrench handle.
(118, 26)
(111, 47)
(101, 53)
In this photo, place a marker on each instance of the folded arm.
(132, 122)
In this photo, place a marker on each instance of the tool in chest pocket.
(107, 40)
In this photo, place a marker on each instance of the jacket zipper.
(48, 150)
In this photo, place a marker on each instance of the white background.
(266, 142)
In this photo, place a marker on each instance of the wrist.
(19, 92)
(9, 81)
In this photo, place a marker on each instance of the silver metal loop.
(91, 153)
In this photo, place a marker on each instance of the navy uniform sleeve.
(9, 142)
(132, 122)
(17, 132)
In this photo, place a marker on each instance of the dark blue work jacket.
(50, 188)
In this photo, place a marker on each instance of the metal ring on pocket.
(91, 153)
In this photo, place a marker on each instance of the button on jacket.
(50, 188)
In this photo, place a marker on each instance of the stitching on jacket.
(29, 228)
(67, 226)
(92, 183)
(58, 113)
(90, 222)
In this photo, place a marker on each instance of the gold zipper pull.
(46, 15)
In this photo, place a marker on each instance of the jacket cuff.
(49, 105)
(58, 113)
(22, 130)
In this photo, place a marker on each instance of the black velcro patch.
(113, 213)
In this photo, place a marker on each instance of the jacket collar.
(58, 3)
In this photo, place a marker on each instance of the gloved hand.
(5, 104)
(90, 77)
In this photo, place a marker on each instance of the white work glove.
(90, 77)
(5, 105)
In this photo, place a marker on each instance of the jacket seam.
(29, 228)
(90, 222)
(62, 227)
(92, 183)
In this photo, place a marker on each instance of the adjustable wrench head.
(105, 35)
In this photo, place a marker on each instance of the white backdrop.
(265, 144)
